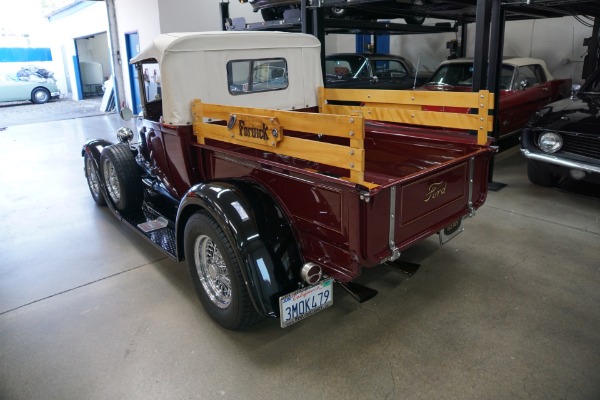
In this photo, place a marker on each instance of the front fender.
(94, 148)
(258, 228)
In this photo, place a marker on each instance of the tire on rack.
(215, 270)
(40, 95)
(121, 177)
(538, 175)
(272, 14)
(93, 180)
(414, 19)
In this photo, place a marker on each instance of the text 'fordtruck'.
(271, 187)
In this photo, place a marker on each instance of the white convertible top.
(194, 66)
(515, 61)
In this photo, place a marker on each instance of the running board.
(154, 228)
(359, 292)
(407, 268)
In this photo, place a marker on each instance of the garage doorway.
(93, 65)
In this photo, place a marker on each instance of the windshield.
(347, 67)
(461, 74)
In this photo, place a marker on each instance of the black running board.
(359, 292)
(151, 225)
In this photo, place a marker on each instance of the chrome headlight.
(124, 134)
(550, 142)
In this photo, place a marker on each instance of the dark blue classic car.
(563, 138)
(371, 71)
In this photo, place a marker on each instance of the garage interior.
(506, 310)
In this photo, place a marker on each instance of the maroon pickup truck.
(526, 86)
(272, 187)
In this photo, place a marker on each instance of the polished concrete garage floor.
(510, 309)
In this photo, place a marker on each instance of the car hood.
(581, 114)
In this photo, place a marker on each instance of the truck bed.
(414, 183)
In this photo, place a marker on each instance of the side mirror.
(126, 114)
(375, 79)
(574, 90)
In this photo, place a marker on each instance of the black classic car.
(371, 71)
(411, 10)
(563, 138)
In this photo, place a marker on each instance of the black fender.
(94, 149)
(260, 231)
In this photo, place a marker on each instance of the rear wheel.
(40, 95)
(122, 177)
(215, 271)
(540, 176)
(93, 180)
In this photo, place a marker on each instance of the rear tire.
(121, 177)
(216, 273)
(538, 175)
(40, 96)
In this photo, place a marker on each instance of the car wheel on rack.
(415, 19)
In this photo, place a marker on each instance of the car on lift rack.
(274, 10)
(525, 86)
(372, 71)
(563, 139)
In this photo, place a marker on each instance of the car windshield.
(347, 67)
(461, 74)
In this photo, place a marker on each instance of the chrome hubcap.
(111, 180)
(40, 95)
(212, 271)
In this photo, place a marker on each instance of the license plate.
(302, 303)
(451, 231)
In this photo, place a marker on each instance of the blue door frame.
(132, 43)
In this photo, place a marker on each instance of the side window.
(528, 73)
(152, 81)
(388, 68)
(249, 76)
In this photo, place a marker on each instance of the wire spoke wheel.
(215, 270)
(93, 180)
(212, 271)
(111, 180)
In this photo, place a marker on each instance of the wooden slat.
(404, 106)
(408, 97)
(413, 117)
(323, 153)
(331, 125)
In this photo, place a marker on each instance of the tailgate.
(422, 204)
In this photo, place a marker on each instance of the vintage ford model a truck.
(272, 187)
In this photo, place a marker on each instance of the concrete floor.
(88, 310)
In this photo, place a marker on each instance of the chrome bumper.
(560, 161)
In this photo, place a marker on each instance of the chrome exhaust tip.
(311, 273)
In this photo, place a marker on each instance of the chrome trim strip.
(559, 161)
(391, 236)
(471, 174)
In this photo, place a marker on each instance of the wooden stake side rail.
(264, 129)
(406, 106)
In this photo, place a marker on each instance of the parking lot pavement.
(20, 113)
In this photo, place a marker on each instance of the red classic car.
(526, 85)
